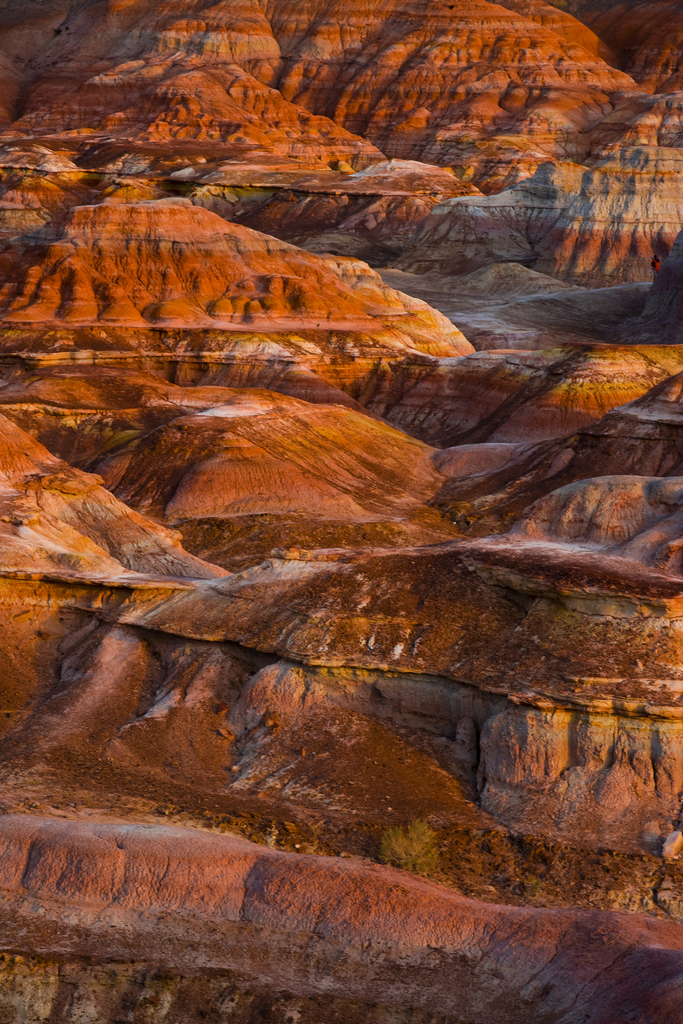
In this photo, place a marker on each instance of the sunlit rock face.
(645, 39)
(555, 221)
(641, 438)
(341, 487)
(240, 74)
(245, 902)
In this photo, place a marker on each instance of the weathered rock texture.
(555, 221)
(262, 918)
(642, 437)
(59, 521)
(206, 72)
(281, 553)
(519, 397)
(662, 317)
(170, 263)
(509, 306)
(645, 38)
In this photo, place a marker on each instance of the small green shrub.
(413, 848)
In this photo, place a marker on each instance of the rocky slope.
(640, 438)
(514, 397)
(555, 221)
(247, 906)
(645, 38)
(662, 317)
(341, 496)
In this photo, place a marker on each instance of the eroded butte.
(341, 512)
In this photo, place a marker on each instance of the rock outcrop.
(346, 562)
(662, 317)
(141, 892)
(260, 471)
(509, 306)
(522, 397)
(640, 438)
(169, 263)
(59, 522)
(645, 38)
(555, 221)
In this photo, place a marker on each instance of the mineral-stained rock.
(171, 264)
(371, 214)
(140, 892)
(419, 91)
(642, 437)
(58, 521)
(409, 79)
(646, 38)
(90, 270)
(556, 220)
(417, 581)
(350, 626)
(270, 469)
(519, 397)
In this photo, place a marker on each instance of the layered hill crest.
(403, 77)
(173, 264)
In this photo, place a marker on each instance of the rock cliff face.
(662, 317)
(554, 221)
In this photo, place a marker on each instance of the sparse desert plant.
(413, 848)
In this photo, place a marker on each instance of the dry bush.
(413, 848)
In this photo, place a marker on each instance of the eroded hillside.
(341, 474)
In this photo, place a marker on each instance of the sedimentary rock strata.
(342, 492)
(264, 916)
(641, 437)
(519, 397)
(553, 221)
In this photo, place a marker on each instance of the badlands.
(341, 512)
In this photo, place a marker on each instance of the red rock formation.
(370, 657)
(172, 264)
(555, 221)
(374, 622)
(414, 79)
(520, 397)
(420, 53)
(371, 214)
(640, 438)
(140, 892)
(58, 521)
(199, 271)
(646, 39)
(278, 471)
